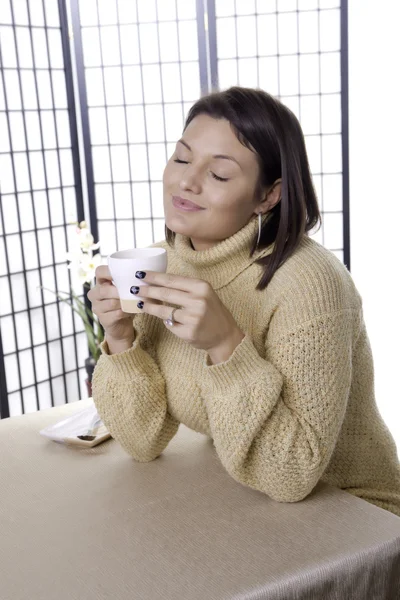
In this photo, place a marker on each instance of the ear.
(271, 197)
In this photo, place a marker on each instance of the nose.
(191, 180)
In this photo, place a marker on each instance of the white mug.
(123, 266)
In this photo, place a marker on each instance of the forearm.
(275, 421)
(129, 393)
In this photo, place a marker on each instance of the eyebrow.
(215, 155)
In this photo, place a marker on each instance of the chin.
(181, 222)
(176, 226)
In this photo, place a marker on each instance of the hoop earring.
(259, 228)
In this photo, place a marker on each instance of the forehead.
(209, 136)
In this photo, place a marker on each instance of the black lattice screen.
(42, 348)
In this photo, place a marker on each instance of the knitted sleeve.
(275, 421)
(128, 390)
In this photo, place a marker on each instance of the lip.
(185, 205)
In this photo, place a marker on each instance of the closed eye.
(218, 178)
(185, 162)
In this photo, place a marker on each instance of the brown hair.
(265, 125)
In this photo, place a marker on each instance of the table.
(93, 524)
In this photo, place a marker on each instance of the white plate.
(67, 430)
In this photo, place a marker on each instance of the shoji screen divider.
(42, 347)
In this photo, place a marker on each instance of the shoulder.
(311, 283)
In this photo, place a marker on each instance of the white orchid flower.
(84, 266)
(87, 267)
(86, 240)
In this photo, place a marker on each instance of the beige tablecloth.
(91, 524)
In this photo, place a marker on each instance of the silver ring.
(171, 321)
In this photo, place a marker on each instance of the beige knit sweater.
(295, 401)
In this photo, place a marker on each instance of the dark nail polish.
(134, 289)
(140, 274)
(140, 304)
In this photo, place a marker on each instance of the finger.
(164, 294)
(107, 306)
(103, 274)
(178, 282)
(102, 292)
(106, 291)
(163, 312)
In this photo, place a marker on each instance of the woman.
(255, 336)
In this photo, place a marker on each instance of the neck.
(200, 245)
(220, 262)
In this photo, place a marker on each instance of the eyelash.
(213, 174)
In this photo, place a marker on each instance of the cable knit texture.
(294, 403)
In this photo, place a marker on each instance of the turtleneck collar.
(221, 263)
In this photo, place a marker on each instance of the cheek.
(167, 173)
(171, 177)
(228, 195)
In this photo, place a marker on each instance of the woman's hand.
(202, 319)
(106, 305)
